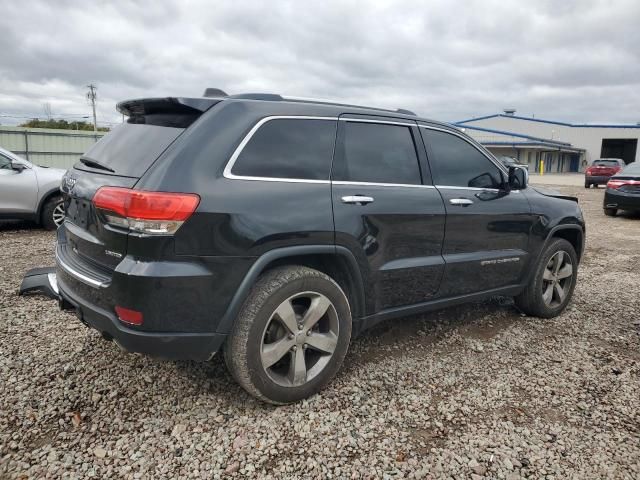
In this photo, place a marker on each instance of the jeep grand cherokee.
(276, 229)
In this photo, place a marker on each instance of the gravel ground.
(469, 392)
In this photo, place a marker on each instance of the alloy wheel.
(556, 279)
(299, 339)
(58, 214)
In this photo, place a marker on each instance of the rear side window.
(376, 153)
(456, 163)
(130, 149)
(289, 148)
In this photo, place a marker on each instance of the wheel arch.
(43, 201)
(335, 261)
(574, 234)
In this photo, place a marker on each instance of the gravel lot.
(468, 392)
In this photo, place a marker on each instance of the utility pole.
(91, 96)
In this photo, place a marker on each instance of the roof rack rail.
(335, 102)
(273, 97)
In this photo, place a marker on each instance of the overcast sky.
(564, 60)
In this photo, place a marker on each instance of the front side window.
(5, 163)
(456, 163)
(376, 153)
(289, 148)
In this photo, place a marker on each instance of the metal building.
(563, 147)
(48, 147)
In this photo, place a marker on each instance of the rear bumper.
(169, 345)
(621, 200)
(596, 180)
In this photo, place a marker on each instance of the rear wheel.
(291, 335)
(53, 213)
(610, 212)
(551, 287)
(587, 184)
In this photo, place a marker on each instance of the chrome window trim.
(495, 190)
(501, 167)
(376, 184)
(236, 153)
(382, 122)
(79, 276)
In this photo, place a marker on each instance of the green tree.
(61, 124)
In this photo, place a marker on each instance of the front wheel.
(551, 287)
(53, 213)
(291, 335)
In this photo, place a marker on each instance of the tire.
(289, 289)
(533, 301)
(587, 185)
(51, 213)
(610, 212)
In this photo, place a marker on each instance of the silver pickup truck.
(30, 192)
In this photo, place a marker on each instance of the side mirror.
(518, 177)
(18, 167)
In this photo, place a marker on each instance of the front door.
(487, 228)
(386, 211)
(18, 189)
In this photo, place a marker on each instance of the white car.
(30, 192)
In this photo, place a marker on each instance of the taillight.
(154, 213)
(589, 171)
(615, 184)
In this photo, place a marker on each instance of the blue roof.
(518, 135)
(552, 122)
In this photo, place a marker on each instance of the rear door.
(386, 211)
(487, 228)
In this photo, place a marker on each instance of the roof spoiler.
(178, 105)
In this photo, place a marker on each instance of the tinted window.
(289, 148)
(129, 149)
(455, 162)
(377, 153)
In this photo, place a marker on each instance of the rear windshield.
(606, 163)
(130, 149)
(631, 169)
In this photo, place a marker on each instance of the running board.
(40, 281)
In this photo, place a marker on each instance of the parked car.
(601, 170)
(277, 229)
(623, 191)
(29, 191)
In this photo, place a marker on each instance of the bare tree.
(46, 107)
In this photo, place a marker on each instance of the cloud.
(572, 60)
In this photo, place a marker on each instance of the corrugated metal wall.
(48, 147)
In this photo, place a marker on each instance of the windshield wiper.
(95, 164)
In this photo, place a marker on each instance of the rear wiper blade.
(95, 164)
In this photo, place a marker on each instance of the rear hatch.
(119, 159)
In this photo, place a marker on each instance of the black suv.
(279, 228)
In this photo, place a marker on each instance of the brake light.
(126, 315)
(155, 213)
(589, 171)
(615, 184)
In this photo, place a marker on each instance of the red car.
(601, 170)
